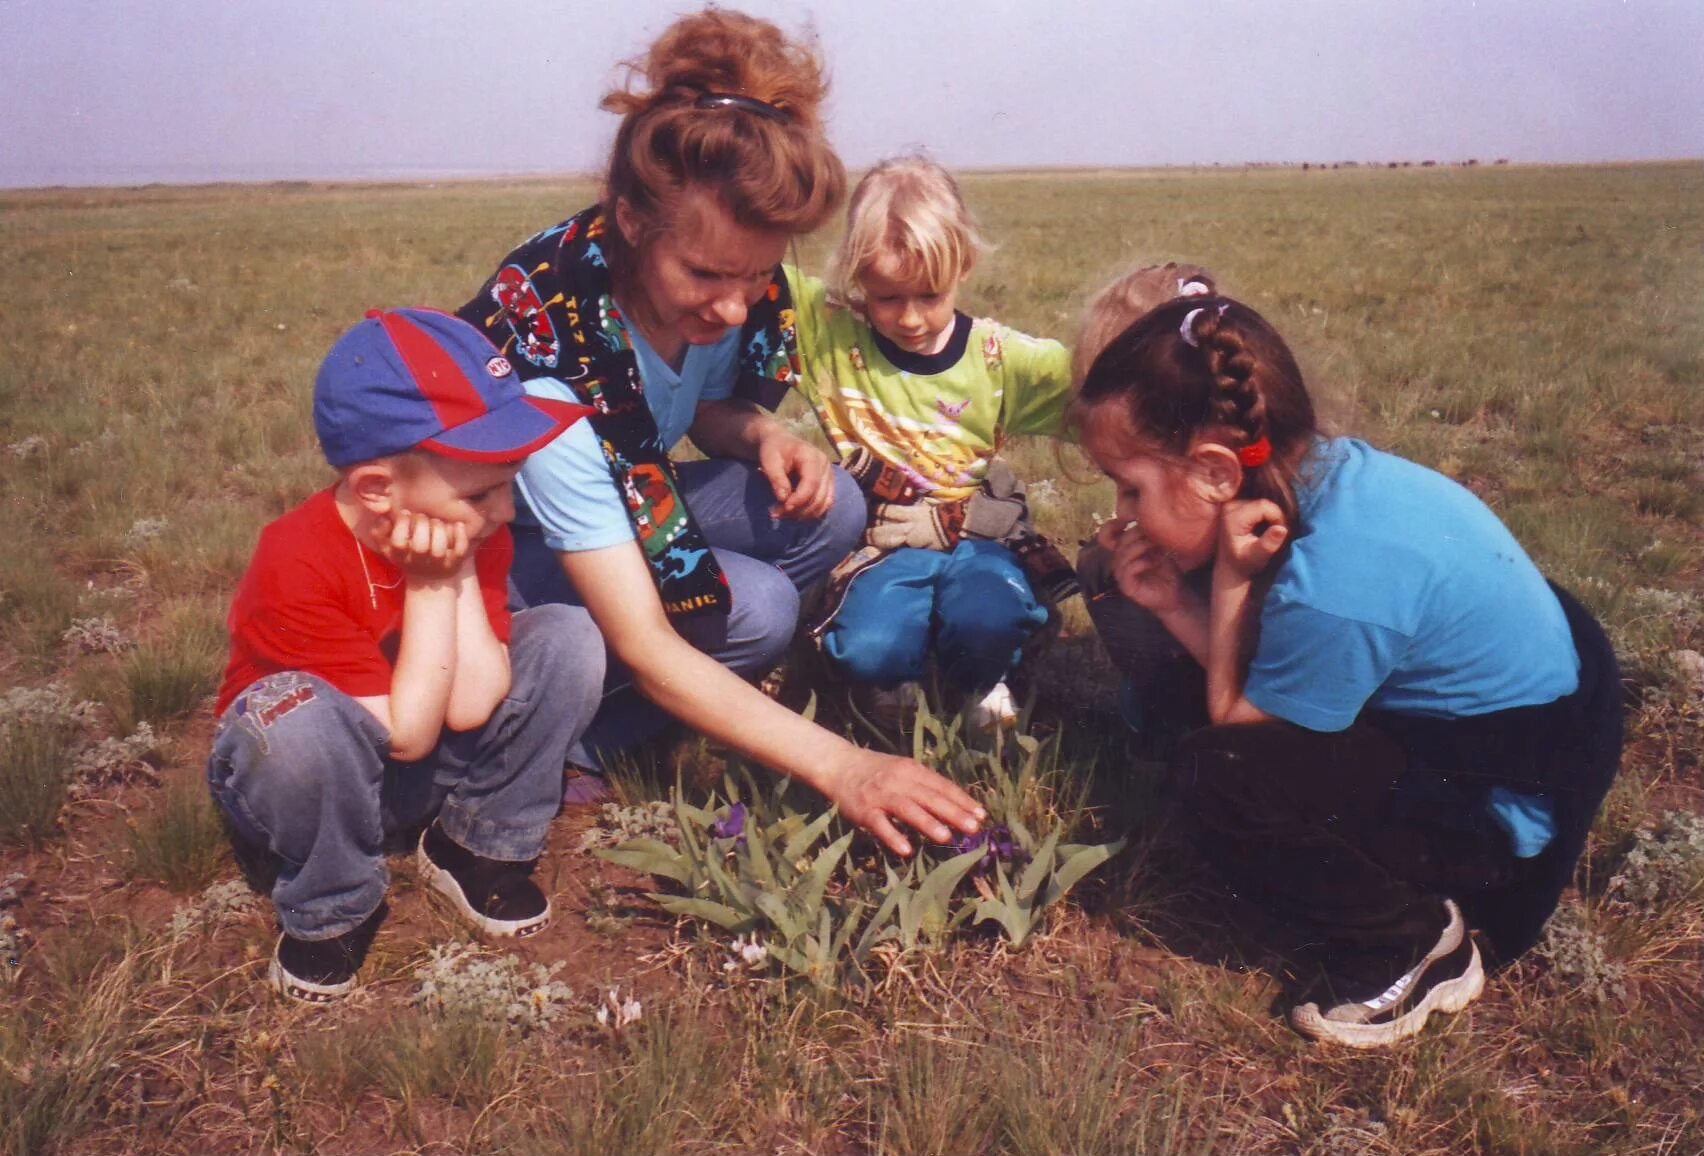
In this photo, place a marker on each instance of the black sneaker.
(320, 970)
(497, 897)
(1368, 1015)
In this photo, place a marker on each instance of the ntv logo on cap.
(499, 367)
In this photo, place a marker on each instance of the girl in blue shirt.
(1410, 729)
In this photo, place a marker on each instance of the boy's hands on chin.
(874, 789)
(1251, 532)
(424, 548)
(1143, 573)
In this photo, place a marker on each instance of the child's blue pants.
(973, 605)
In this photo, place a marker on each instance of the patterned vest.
(549, 308)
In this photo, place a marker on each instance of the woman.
(665, 307)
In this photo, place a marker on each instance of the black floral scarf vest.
(548, 307)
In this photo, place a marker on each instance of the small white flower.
(617, 1013)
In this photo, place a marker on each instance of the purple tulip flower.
(731, 826)
(997, 846)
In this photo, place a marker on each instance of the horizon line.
(454, 176)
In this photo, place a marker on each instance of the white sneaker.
(996, 711)
(1446, 979)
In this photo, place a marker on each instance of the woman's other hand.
(798, 472)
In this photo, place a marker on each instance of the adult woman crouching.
(664, 307)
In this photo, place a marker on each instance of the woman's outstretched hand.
(874, 790)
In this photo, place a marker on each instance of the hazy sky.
(130, 91)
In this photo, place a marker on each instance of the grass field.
(1536, 333)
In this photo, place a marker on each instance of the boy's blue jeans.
(768, 562)
(301, 769)
(973, 604)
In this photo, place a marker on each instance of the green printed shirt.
(942, 430)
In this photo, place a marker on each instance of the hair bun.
(718, 51)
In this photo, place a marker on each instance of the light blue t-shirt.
(565, 488)
(1403, 592)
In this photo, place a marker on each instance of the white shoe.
(1446, 979)
(996, 711)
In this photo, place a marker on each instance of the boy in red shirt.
(377, 680)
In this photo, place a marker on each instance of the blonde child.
(919, 398)
(1410, 730)
(1161, 693)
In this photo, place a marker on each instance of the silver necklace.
(373, 588)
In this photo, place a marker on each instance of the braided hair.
(1210, 368)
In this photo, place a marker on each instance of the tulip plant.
(750, 861)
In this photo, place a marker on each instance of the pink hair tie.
(1255, 453)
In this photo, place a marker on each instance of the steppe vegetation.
(1536, 333)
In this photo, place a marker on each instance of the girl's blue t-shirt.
(565, 489)
(1403, 592)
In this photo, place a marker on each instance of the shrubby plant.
(145, 530)
(620, 822)
(1665, 865)
(49, 705)
(219, 904)
(113, 759)
(458, 981)
(97, 636)
(12, 935)
(27, 447)
(1578, 954)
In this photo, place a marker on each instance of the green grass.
(1537, 334)
(168, 677)
(182, 843)
(35, 762)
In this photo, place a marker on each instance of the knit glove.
(880, 481)
(921, 526)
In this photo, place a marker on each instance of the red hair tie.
(1255, 453)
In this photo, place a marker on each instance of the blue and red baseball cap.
(418, 379)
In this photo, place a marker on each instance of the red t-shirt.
(305, 603)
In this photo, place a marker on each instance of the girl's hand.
(798, 472)
(1143, 573)
(1250, 533)
(874, 789)
(424, 548)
